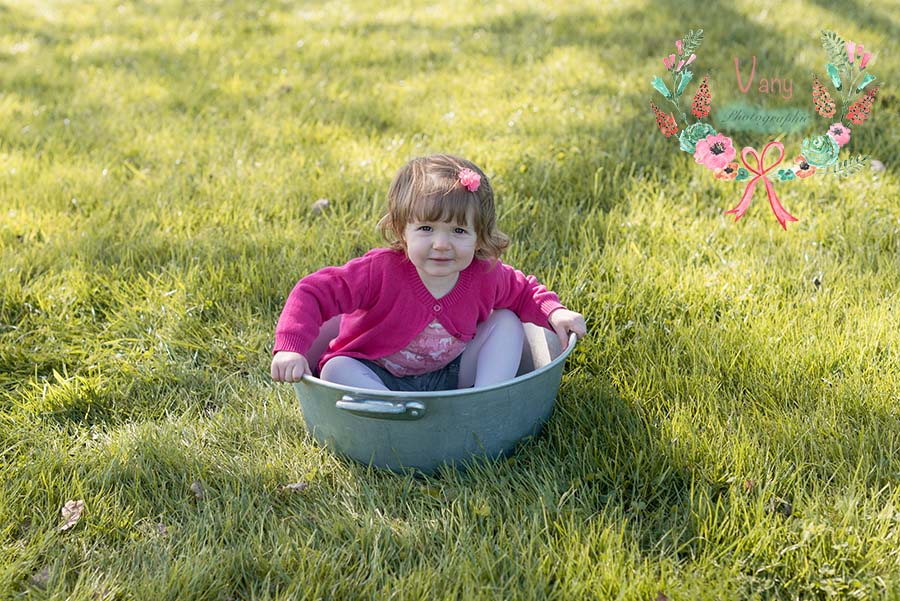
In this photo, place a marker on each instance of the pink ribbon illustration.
(780, 213)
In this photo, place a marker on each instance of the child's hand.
(288, 366)
(564, 321)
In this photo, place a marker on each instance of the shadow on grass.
(518, 40)
(863, 15)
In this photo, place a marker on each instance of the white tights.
(491, 357)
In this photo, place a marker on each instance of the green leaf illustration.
(691, 41)
(660, 86)
(848, 167)
(869, 78)
(836, 48)
(834, 75)
(686, 76)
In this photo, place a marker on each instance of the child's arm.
(315, 299)
(532, 302)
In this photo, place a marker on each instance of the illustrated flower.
(469, 179)
(804, 169)
(859, 110)
(858, 50)
(685, 63)
(701, 102)
(728, 172)
(670, 61)
(820, 151)
(851, 51)
(694, 133)
(785, 175)
(665, 121)
(714, 152)
(865, 60)
(742, 174)
(840, 133)
(822, 99)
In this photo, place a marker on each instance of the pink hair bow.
(469, 179)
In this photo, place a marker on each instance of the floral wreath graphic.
(847, 71)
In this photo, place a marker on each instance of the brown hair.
(428, 189)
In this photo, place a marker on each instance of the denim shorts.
(446, 378)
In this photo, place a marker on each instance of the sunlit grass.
(729, 429)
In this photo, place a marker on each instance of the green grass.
(728, 430)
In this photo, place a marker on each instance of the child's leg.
(350, 372)
(494, 354)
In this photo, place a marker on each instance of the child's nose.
(441, 241)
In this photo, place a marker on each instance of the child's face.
(440, 250)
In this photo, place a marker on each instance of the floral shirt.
(431, 350)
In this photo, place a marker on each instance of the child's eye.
(460, 230)
(424, 228)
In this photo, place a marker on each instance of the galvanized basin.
(424, 430)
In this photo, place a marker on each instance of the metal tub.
(424, 430)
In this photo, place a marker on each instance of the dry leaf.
(163, 531)
(71, 513)
(197, 489)
(749, 485)
(296, 487)
(877, 166)
(41, 579)
(320, 205)
(661, 597)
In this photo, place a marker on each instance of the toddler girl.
(435, 311)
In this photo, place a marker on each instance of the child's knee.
(507, 321)
(337, 368)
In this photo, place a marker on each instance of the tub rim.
(435, 394)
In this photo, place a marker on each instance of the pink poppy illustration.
(714, 152)
(840, 133)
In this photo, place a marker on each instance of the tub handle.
(381, 409)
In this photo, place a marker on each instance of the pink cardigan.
(385, 304)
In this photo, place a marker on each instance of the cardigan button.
(437, 307)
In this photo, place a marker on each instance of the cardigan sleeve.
(524, 295)
(317, 298)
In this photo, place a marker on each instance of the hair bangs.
(449, 206)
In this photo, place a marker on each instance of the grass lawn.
(728, 430)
